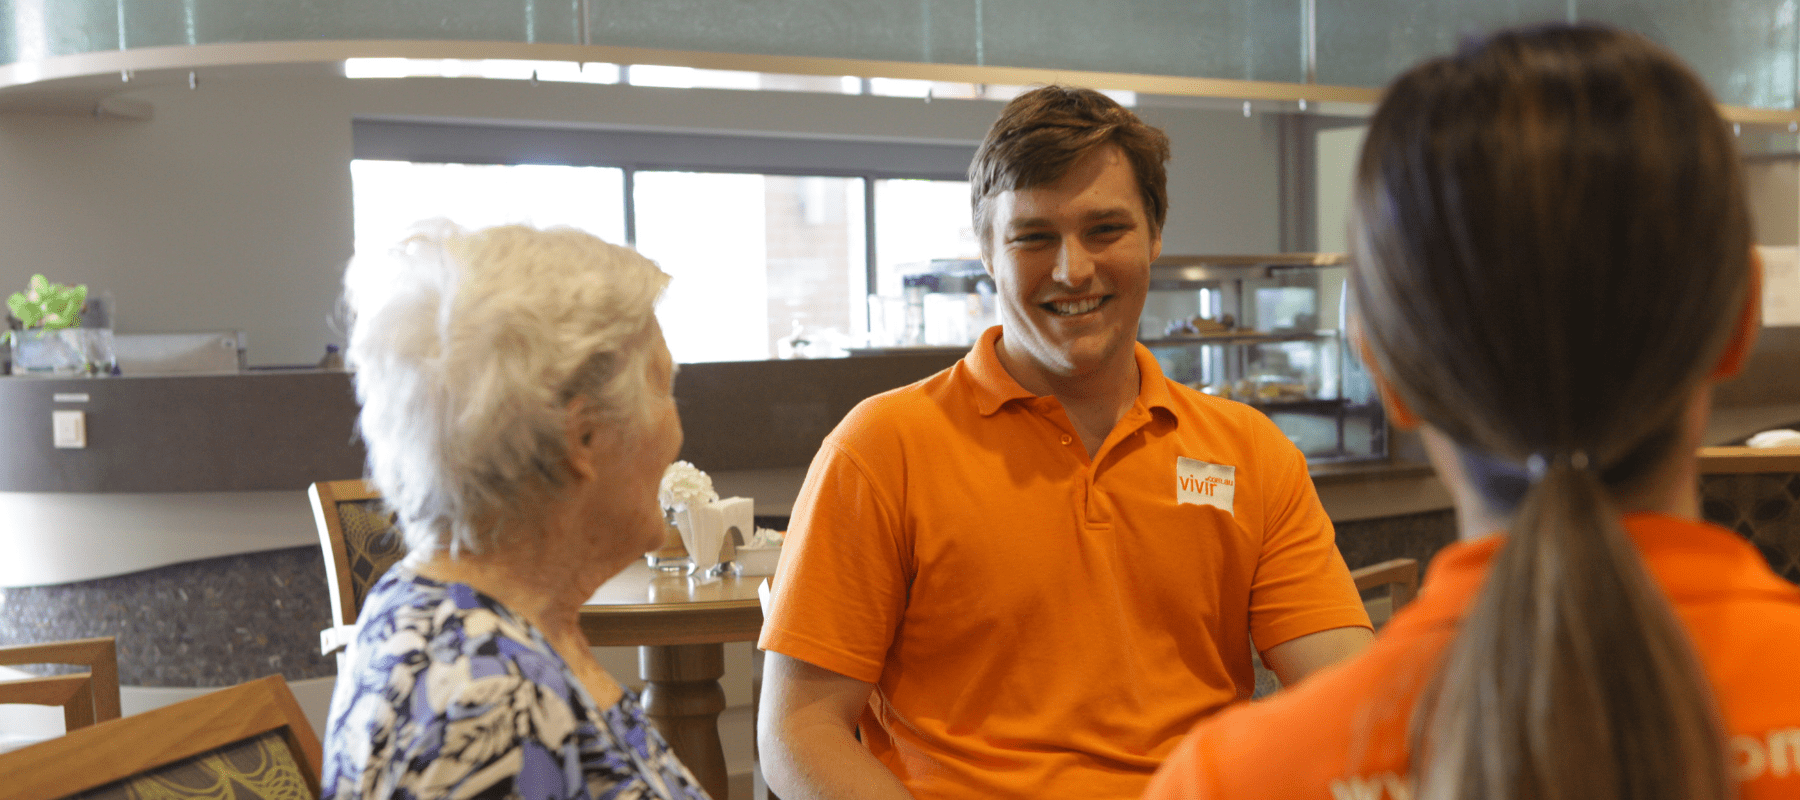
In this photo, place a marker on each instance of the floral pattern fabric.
(450, 694)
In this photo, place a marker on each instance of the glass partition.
(1239, 39)
(156, 23)
(1368, 42)
(1246, 39)
(1746, 49)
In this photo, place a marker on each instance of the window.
(676, 77)
(754, 257)
(757, 253)
(919, 220)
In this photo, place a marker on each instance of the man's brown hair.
(1043, 132)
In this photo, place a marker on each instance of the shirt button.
(1067, 439)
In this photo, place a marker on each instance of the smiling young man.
(1030, 574)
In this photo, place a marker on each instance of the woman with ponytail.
(1552, 265)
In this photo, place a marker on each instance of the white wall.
(1223, 182)
(1774, 188)
(230, 208)
(227, 211)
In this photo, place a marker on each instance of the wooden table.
(680, 626)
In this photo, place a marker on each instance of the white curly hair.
(468, 348)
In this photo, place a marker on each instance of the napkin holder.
(713, 531)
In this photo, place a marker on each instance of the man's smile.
(1076, 306)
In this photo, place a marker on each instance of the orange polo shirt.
(1342, 733)
(1036, 623)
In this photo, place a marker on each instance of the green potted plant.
(45, 330)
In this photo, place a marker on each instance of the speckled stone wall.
(1416, 536)
(215, 622)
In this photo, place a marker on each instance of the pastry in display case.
(1268, 331)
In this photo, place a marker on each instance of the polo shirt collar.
(994, 386)
(1690, 560)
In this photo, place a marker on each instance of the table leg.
(683, 698)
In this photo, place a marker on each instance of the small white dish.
(758, 560)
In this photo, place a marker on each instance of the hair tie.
(1538, 464)
(1503, 482)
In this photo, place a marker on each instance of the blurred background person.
(516, 405)
(1552, 267)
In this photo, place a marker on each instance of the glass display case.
(1268, 331)
(944, 302)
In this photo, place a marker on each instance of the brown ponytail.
(1570, 678)
(1552, 245)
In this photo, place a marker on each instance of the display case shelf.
(1247, 337)
(1281, 350)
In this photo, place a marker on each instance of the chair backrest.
(1400, 576)
(249, 741)
(359, 540)
(85, 698)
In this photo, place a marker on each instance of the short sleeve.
(841, 588)
(1302, 585)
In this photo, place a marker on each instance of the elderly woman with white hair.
(516, 405)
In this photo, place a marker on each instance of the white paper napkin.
(713, 531)
(1780, 437)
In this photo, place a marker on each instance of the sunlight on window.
(673, 77)
(899, 87)
(706, 231)
(751, 256)
(951, 90)
(1001, 92)
(691, 78)
(764, 266)
(917, 221)
(497, 69)
(389, 196)
(571, 72)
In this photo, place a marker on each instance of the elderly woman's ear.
(583, 437)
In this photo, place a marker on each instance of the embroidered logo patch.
(1202, 484)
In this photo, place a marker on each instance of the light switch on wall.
(69, 428)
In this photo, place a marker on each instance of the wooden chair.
(1400, 576)
(86, 698)
(249, 741)
(360, 542)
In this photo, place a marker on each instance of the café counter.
(181, 527)
(171, 468)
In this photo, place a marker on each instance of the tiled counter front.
(181, 527)
(1764, 508)
(1416, 536)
